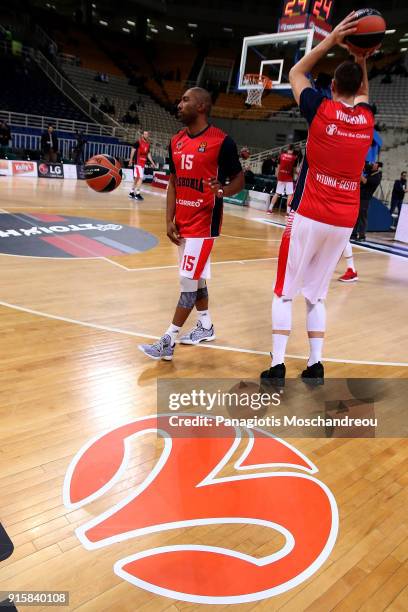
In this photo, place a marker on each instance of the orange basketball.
(370, 32)
(103, 173)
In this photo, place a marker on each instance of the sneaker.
(274, 377)
(314, 374)
(349, 276)
(162, 349)
(198, 334)
(138, 196)
(361, 238)
(132, 195)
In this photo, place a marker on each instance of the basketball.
(103, 173)
(370, 32)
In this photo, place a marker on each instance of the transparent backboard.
(273, 55)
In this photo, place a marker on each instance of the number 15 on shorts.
(188, 263)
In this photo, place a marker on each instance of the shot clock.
(303, 14)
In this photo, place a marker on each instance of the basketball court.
(72, 377)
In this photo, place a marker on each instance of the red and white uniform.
(142, 148)
(287, 163)
(327, 194)
(194, 159)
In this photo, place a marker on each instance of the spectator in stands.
(94, 99)
(49, 145)
(133, 107)
(5, 134)
(398, 192)
(98, 77)
(79, 148)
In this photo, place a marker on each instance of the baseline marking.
(218, 347)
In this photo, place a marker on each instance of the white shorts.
(308, 255)
(284, 188)
(138, 172)
(194, 256)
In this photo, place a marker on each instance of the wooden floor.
(71, 370)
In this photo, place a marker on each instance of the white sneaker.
(198, 334)
(163, 349)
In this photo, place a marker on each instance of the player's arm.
(297, 75)
(172, 231)
(230, 167)
(150, 158)
(362, 94)
(132, 154)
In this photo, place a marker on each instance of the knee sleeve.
(316, 316)
(188, 295)
(187, 299)
(202, 292)
(281, 313)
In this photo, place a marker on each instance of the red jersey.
(193, 159)
(328, 187)
(287, 163)
(142, 147)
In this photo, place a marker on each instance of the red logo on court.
(187, 488)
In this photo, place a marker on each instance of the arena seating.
(151, 115)
(390, 98)
(233, 106)
(26, 89)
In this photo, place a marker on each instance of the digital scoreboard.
(304, 14)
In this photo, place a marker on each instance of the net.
(256, 85)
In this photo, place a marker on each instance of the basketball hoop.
(256, 85)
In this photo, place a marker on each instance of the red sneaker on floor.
(349, 276)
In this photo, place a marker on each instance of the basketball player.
(326, 201)
(286, 167)
(202, 158)
(140, 153)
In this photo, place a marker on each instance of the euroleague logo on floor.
(60, 236)
(187, 487)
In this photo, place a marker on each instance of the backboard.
(273, 55)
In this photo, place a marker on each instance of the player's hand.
(213, 184)
(172, 232)
(343, 29)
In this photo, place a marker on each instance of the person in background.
(267, 166)
(286, 168)
(94, 99)
(79, 148)
(5, 134)
(369, 182)
(398, 192)
(49, 145)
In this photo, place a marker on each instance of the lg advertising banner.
(49, 170)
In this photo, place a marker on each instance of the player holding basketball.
(286, 167)
(139, 154)
(202, 159)
(326, 201)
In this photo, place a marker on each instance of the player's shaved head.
(195, 105)
(203, 98)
